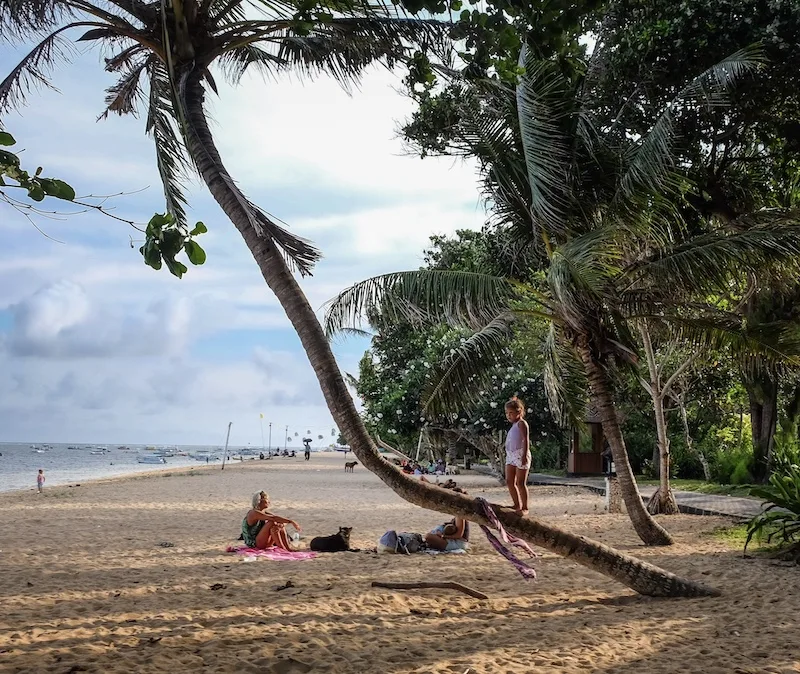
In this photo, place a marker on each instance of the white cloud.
(101, 347)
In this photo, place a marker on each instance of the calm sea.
(20, 463)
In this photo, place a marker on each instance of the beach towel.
(274, 553)
(525, 571)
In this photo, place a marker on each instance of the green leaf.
(199, 228)
(36, 192)
(175, 267)
(195, 253)
(6, 139)
(65, 191)
(158, 220)
(151, 253)
(8, 158)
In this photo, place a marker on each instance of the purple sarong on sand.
(525, 571)
(274, 553)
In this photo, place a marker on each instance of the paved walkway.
(691, 502)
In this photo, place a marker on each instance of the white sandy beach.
(86, 587)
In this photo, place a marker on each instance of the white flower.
(399, 412)
(462, 420)
(493, 404)
(530, 410)
(379, 415)
(544, 434)
(482, 420)
(524, 389)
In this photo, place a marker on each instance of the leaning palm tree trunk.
(638, 575)
(650, 531)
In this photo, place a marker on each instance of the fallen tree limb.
(446, 585)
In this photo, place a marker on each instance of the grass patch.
(742, 490)
(555, 472)
(734, 536)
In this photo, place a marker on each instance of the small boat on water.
(151, 458)
(97, 451)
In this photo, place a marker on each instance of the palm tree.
(173, 46)
(601, 205)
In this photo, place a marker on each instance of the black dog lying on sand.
(337, 543)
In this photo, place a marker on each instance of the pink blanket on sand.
(271, 553)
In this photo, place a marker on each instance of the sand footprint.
(290, 666)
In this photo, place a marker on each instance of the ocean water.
(20, 463)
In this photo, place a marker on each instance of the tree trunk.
(762, 391)
(662, 501)
(636, 574)
(650, 531)
(688, 438)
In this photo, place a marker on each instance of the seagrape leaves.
(165, 239)
(37, 187)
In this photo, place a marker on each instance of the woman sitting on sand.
(452, 535)
(261, 529)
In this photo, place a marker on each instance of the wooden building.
(586, 450)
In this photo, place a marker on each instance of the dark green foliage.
(35, 185)
(165, 238)
(781, 517)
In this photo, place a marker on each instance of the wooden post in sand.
(225, 455)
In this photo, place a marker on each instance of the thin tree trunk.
(636, 574)
(762, 391)
(688, 438)
(650, 531)
(663, 500)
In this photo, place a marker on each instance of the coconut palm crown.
(167, 53)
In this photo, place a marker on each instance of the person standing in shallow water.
(518, 455)
(40, 481)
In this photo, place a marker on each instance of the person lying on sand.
(261, 529)
(452, 535)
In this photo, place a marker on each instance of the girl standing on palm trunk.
(518, 455)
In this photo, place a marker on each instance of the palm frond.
(582, 270)
(32, 72)
(565, 382)
(340, 47)
(767, 241)
(543, 103)
(298, 252)
(460, 299)
(457, 382)
(171, 156)
(651, 166)
(19, 19)
(767, 344)
(236, 62)
(123, 97)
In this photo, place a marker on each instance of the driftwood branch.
(447, 585)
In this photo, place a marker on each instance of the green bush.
(741, 474)
(781, 517)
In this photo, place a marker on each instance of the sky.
(95, 347)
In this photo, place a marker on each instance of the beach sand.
(86, 587)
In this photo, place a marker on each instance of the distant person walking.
(40, 480)
(307, 453)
